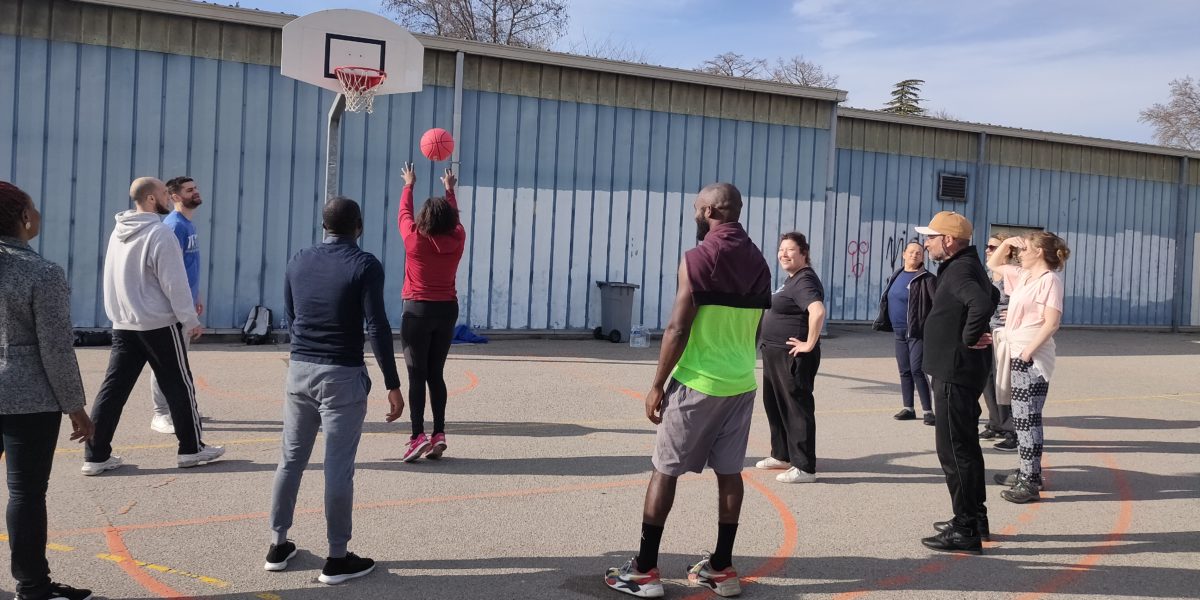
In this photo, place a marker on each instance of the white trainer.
(771, 463)
(206, 454)
(794, 475)
(162, 424)
(96, 468)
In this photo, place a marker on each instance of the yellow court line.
(50, 546)
(268, 596)
(213, 581)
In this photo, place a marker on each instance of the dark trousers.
(788, 399)
(909, 355)
(957, 435)
(425, 333)
(999, 415)
(29, 442)
(166, 351)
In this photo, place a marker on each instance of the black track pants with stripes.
(166, 353)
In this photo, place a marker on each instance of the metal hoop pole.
(332, 149)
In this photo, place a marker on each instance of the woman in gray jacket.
(41, 382)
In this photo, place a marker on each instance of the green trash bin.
(616, 311)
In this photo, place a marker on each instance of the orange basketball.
(437, 144)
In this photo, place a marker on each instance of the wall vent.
(952, 187)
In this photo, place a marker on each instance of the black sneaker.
(955, 539)
(929, 419)
(989, 434)
(1022, 493)
(279, 555)
(905, 414)
(1008, 445)
(1013, 478)
(59, 591)
(981, 525)
(345, 568)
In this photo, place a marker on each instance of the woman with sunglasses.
(1035, 309)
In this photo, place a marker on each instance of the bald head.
(149, 195)
(724, 200)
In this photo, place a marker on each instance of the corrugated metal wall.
(568, 176)
(555, 194)
(1117, 210)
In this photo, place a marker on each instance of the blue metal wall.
(1121, 232)
(880, 198)
(554, 194)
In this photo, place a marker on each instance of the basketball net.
(359, 85)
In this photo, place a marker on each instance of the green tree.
(906, 98)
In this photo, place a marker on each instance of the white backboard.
(317, 43)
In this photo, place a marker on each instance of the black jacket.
(920, 301)
(962, 306)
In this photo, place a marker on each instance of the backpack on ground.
(257, 329)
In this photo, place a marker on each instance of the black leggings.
(425, 332)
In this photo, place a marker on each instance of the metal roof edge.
(1016, 132)
(217, 12)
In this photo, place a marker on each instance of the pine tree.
(906, 99)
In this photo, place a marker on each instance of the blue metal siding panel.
(1191, 260)
(9, 78)
(58, 164)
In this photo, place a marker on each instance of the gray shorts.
(698, 429)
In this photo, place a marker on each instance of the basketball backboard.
(317, 43)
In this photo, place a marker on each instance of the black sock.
(722, 557)
(647, 557)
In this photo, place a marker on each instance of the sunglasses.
(991, 247)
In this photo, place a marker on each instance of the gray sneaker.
(96, 468)
(206, 454)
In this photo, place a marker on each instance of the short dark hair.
(437, 217)
(341, 216)
(13, 202)
(176, 183)
(799, 239)
(725, 200)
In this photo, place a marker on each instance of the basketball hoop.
(359, 85)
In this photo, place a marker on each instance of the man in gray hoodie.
(148, 300)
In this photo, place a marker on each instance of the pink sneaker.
(437, 446)
(415, 448)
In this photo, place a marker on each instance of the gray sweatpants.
(333, 399)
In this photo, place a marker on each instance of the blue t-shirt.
(898, 299)
(185, 232)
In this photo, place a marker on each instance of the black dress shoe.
(985, 534)
(955, 539)
(905, 414)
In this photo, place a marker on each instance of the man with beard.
(957, 358)
(186, 195)
(703, 392)
(146, 296)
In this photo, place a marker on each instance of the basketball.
(437, 144)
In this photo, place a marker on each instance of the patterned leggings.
(1028, 398)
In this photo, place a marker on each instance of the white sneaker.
(162, 424)
(96, 468)
(771, 463)
(794, 475)
(206, 454)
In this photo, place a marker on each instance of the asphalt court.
(541, 487)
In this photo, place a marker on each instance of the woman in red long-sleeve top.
(433, 244)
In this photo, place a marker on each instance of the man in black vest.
(957, 359)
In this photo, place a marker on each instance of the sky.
(1085, 67)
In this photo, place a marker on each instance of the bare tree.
(944, 114)
(524, 23)
(797, 71)
(732, 64)
(609, 49)
(1177, 123)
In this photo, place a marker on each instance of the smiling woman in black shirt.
(791, 354)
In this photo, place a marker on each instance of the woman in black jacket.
(902, 310)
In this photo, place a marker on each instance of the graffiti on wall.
(858, 254)
(896, 245)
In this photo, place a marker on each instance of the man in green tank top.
(703, 393)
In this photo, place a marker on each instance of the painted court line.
(116, 547)
(213, 581)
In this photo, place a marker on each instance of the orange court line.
(472, 383)
(1120, 528)
(512, 493)
(116, 547)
